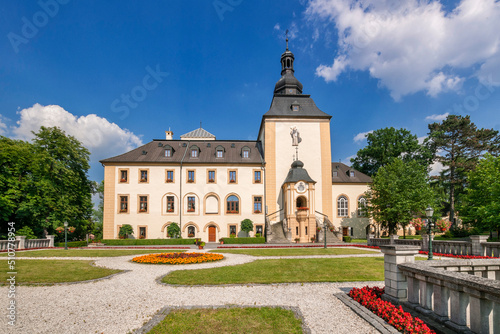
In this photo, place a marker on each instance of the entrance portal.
(211, 234)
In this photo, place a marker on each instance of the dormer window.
(219, 152)
(195, 150)
(169, 151)
(295, 108)
(335, 173)
(351, 173)
(245, 152)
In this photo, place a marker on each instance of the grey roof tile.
(281, 106)
(343, 174)
(198, 133)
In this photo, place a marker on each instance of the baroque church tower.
(295, 132)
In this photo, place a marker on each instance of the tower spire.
(286, 34)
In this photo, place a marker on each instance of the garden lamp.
(429, 212)
(66, 235)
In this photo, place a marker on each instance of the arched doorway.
(212, 233)
(301, 202)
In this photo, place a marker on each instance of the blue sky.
(370, 64)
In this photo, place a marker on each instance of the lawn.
(89, 252)
(250, 320)
(295, 251)
(285, 271)
(53, 271)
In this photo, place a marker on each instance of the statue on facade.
(294, 132)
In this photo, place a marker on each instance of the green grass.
(294, 251)
(358, 241)
(285, 271)
(53, 271)
(250, 320)
(146, 242)
(89, 252)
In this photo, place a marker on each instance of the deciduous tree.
(385, 145)
(459, 145)
(398, 192)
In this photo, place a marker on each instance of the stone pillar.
(477, 248)
(51, 238)
(396, 284)
(22, 241)
(369, 238)
(393, 237)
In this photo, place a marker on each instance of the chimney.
(169, 135)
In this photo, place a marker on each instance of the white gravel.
(126, 301)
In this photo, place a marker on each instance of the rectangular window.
(170, 176)
(259, 229)
(143, 176)
(246, 153)
(211, 176)
(123, 176)
(190, 176)
(170, 204)
(306, 230)
(232, 176)
(142, 232)
(194, 153)
(168, 153)
(257, 204)
(143, 203)
(191, 204)
(123, 203)
(233, 207)
(220, 154)
(257, 176)
(232, 230)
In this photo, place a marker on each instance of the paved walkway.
(126, 301)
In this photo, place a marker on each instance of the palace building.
(208, 186)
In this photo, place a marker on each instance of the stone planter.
(301, 215)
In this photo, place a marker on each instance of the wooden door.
(345, 231)
(211, 234)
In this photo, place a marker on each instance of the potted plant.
(200, 243)
(443, 225)
(312, 239)
(318, 229)
(190, 235)
(257, 235)
(221, 240)
(417, 223)
(297, 240)
(232, 235)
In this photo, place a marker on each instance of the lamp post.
(66, 235)
(429, 212)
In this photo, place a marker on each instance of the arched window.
(245, 152)
(301, 202)
(212, 204)
(362, 207)
(342, 206)
(191, 231)
(233, 204)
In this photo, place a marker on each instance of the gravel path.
(125, 302)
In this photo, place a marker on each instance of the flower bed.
(468, 257)
(178, 258)
(394, 316)
(302, 246)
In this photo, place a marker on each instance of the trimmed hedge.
(137, 242)
(260, 240)
(347, 239)
(72, 244)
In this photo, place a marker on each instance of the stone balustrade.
(476, 246)
(4, 244)
(464, 294)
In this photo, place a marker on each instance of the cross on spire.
(286, 34)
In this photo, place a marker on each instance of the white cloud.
(436, 169)
(361, 136)
(413, 45)
(437, 118)
(421, 139)
(347, 160)
(102, 138)
(3, 126)
(277, 26)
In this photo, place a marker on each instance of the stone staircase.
(277, 236)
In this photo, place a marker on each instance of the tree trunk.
(452, 196)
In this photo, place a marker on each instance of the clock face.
(301, 187)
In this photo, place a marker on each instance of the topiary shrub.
(347, 238)
(246, 225)
(173, 230)
(125, 231)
